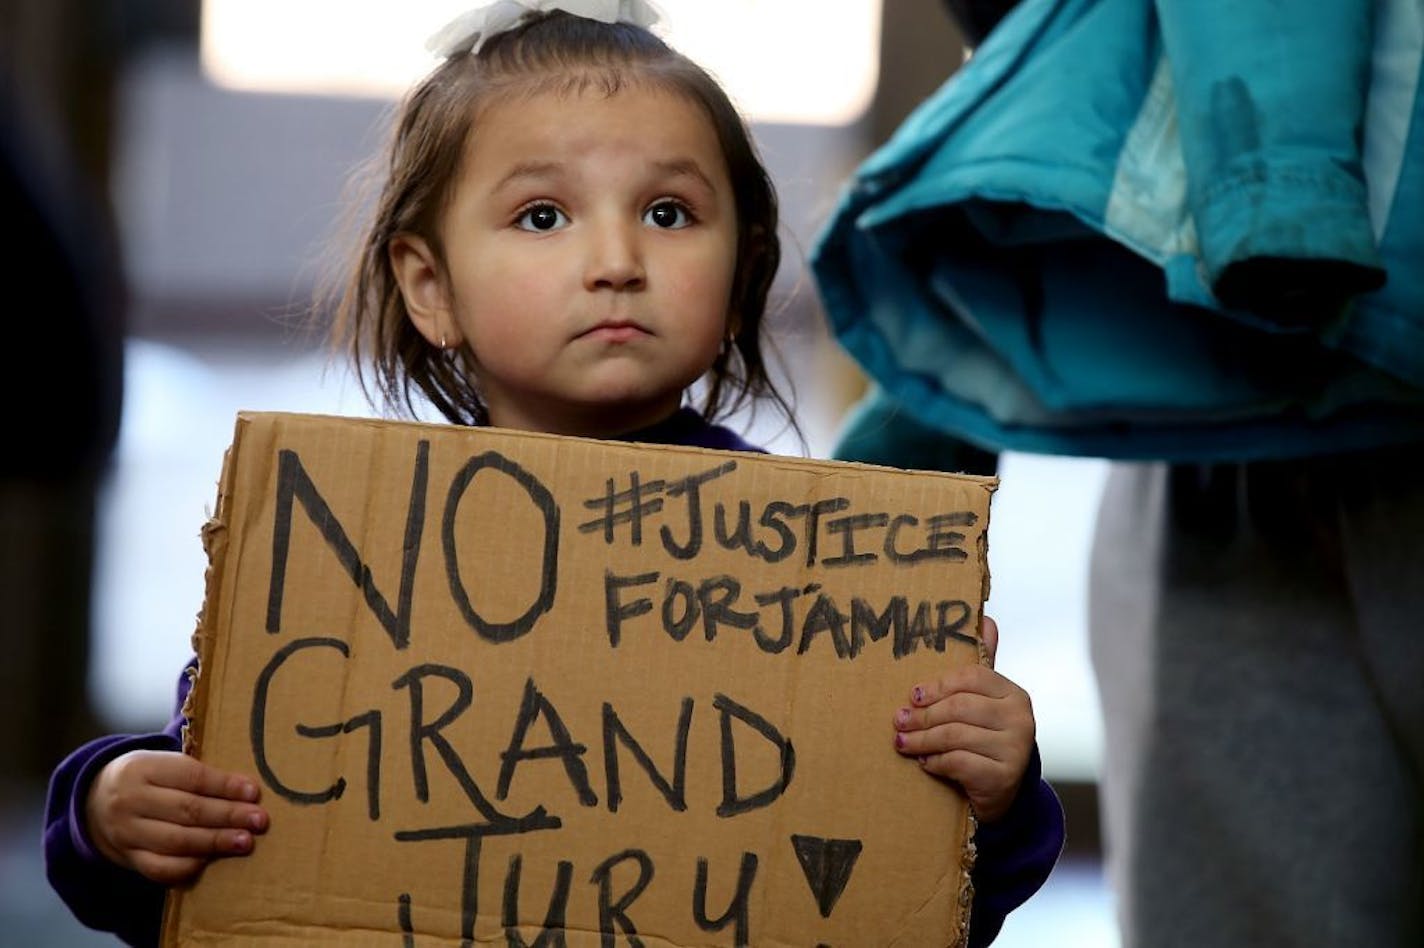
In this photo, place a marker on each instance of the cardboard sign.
(514, 689)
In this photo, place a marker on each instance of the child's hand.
(972, 726)
(165, 814)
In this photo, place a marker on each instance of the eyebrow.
(530, 169)
(677, 167)
(684, 167)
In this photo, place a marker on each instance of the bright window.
(794, 61)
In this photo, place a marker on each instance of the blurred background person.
(1188, 239)
(63, 386)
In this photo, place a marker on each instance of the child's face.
(591, 244)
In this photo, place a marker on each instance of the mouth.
(615, 331)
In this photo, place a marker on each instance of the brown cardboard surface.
(496, 682)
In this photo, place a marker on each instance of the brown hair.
(552, 52)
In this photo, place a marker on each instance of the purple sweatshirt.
(1015, 854)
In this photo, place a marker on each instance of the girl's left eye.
(541, 218)
(668, 215)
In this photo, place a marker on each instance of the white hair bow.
(469, 31)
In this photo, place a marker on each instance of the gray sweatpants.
(1258, 638)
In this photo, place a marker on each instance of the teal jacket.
(1181, 230)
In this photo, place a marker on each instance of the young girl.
(574, 229)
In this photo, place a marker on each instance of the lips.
(615, 330)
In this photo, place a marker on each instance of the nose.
(615, 257)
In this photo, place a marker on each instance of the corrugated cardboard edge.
(215, 541)
(971, 852)
(966, 888)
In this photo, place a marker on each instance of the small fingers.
(195, 777)
(169, 839)
(962, 707)
(963, 766)
(165, 870)
(170, 854)
(187, 809)
(946, 738)
(991, 785)
(989, 635)
(972, 679)
(180, 853)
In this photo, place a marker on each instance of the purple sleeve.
(1015, 854)
(102, 895)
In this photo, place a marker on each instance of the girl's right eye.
(541, 218)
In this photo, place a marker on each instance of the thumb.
(989, 634)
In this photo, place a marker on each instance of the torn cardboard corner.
(496, 685)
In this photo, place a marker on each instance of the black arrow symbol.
(827, 864)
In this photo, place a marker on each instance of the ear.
(422, 285)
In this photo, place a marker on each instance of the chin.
(642, 406)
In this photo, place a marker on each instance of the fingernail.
(900, 741)
(249, 791)
(919, 694)
(902, 717)
(241, 841)
(255, 821)
(923, 761)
